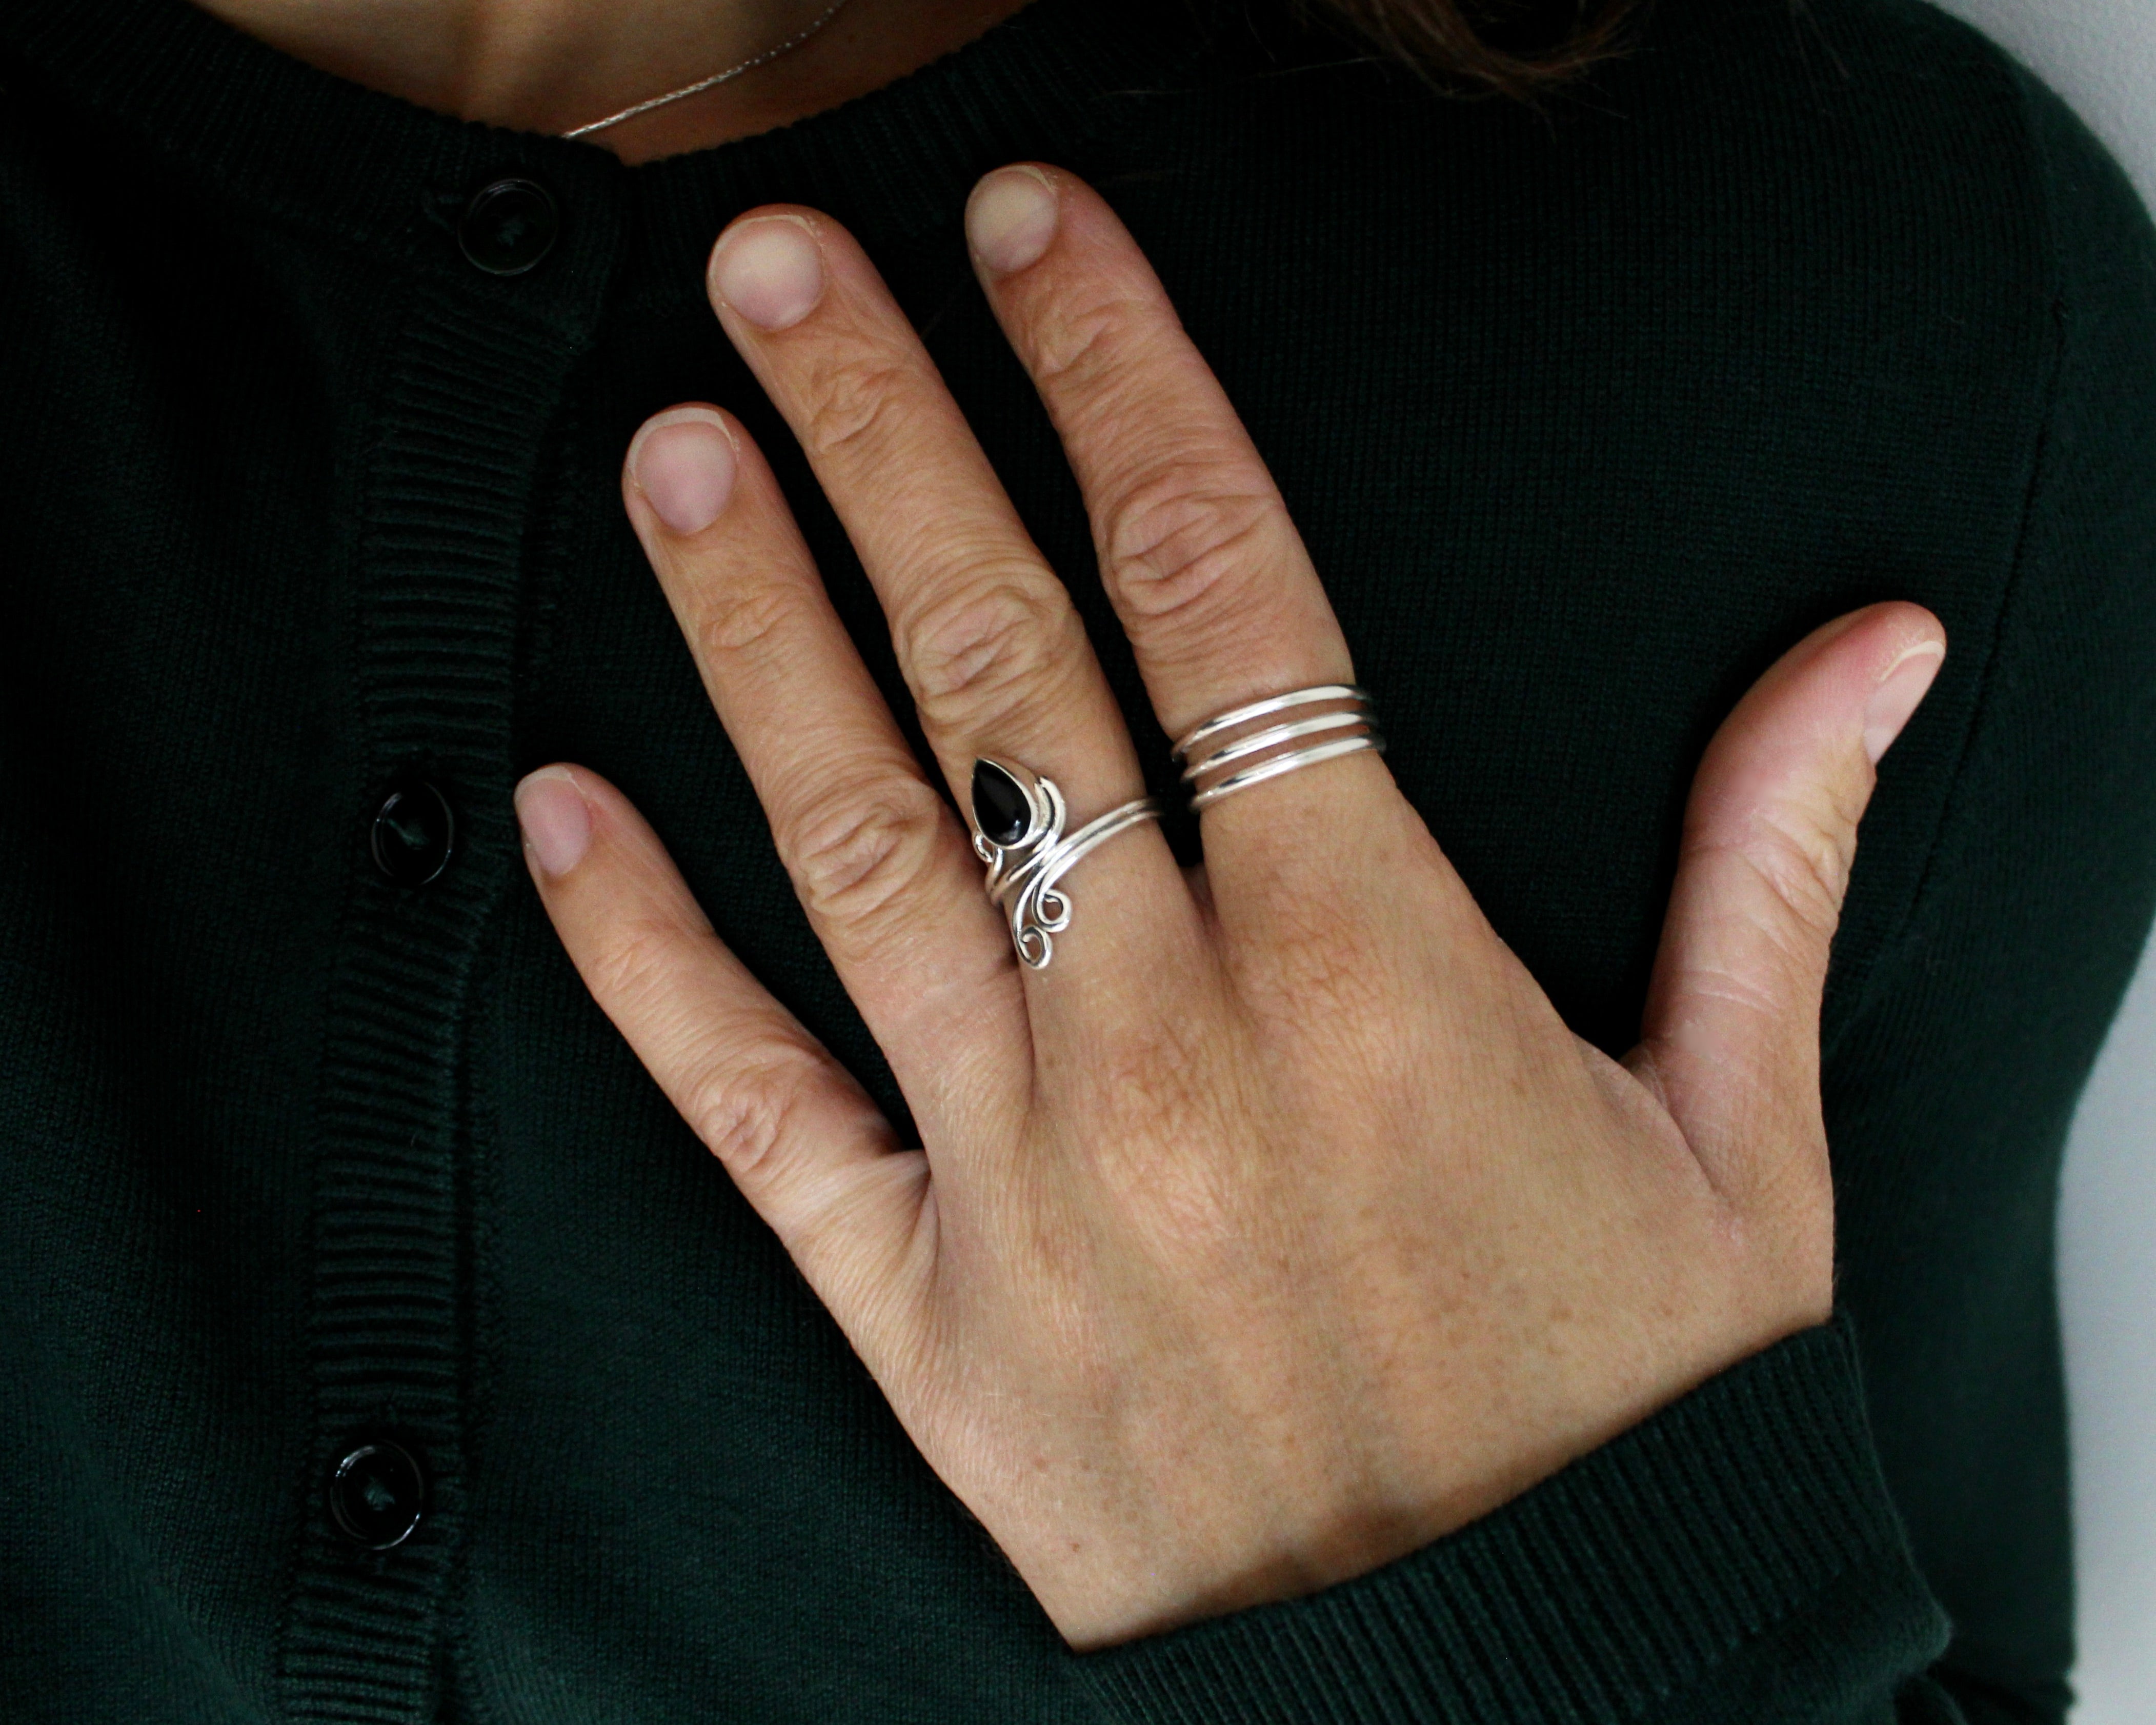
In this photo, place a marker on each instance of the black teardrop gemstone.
(1000, 809)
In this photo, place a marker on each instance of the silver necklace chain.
(702, 84)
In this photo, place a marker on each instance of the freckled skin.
(1280, 1225)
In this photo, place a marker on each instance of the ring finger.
(991, 647)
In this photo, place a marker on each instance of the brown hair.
(1521, 48)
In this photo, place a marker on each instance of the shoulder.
(1867, 96)
(1902, 83)
(1879, 111)
(1871, 194)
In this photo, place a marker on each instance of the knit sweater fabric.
(1585, 415)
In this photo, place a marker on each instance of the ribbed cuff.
(1604, 1593)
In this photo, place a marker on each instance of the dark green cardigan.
(1585, 420)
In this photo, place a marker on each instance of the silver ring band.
(1232, 740)
(1018, 819)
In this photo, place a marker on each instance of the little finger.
(806, 1145)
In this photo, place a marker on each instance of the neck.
(553, 65)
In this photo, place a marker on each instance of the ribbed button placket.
(481, 357)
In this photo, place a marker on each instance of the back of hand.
(1278, 1225)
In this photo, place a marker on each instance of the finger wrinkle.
(964, 649)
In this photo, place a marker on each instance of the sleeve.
(1952, 1068)
(1778, 1546)
(1736, 1557)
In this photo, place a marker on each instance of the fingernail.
(683, 462)
(1011, 217)
(1897, 695)
(770, 270)
(558, 826)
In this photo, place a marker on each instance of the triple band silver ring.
(1237, 749)
(1018, 816)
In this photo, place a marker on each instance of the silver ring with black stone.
(1018, 819)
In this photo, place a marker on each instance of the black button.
(414, 833)
(509, 227)
(376, 1495)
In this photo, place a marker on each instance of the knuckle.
(1189, 1216)
(1804, 854)
(1320, 963)
(754, 618)
(1183, 541)
(980, 647)
(746, 1114)
(855, 400)
(854, 864)
(1188, 1210)
(1086, 341)
(1315, 994)
(636, 969)
(1154, 1079)
(1170, 1156)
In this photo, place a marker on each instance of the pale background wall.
(2100, 56)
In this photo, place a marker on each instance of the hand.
(1280, 1225)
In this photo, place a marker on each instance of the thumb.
(1730, 1035)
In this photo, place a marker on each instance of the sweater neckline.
(270, 130)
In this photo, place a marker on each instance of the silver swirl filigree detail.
(1022, 873)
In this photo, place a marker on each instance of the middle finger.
(992, 649)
